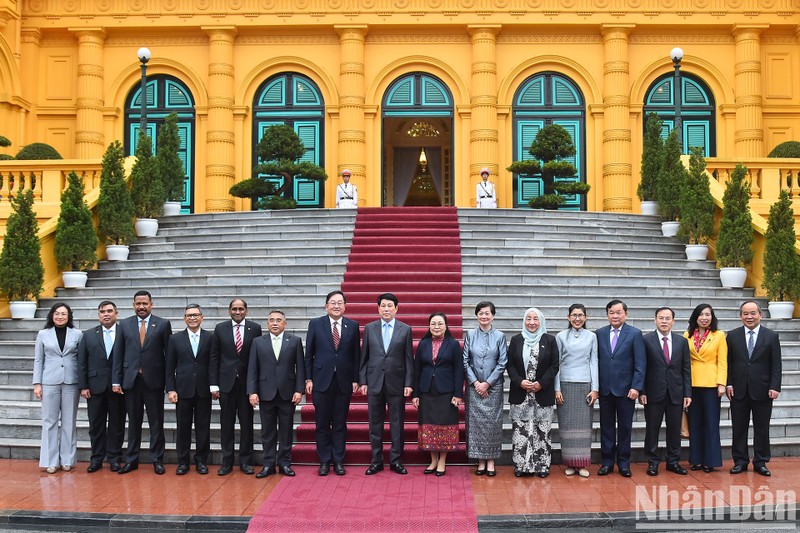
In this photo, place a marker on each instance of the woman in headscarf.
(532, 368)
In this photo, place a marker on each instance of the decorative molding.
(418, 38)
(671, 39)
(154, 41)
(287, 39)
(505, 38)
(779, 39)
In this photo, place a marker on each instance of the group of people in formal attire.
(123, 369)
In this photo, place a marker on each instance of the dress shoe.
(94, 467)
(697, 467)
(676, 468)
(543, 474)
(324, 468)
(224, 470)
(625, 472)
(66, 468)
(374, 468)
(266, 471)
(398, 468)
(182, 470)
(286, 471)
(708, 469)
(763, 470)
(440, 473)
(429, 471)
(158, 468)
(583, 472)
(129, 467)
(480, 471)
(738, 469)
(491, 473)
(652, 470)
(114, 467)
(605, 470)
(338, 469)
(201, 468)
(518, 472)
(52, 469)
(570, 471)
(247, 469)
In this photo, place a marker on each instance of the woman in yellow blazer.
(709, 351)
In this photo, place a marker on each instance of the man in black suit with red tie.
(188, 360)
(667, 390)
(754, 382)
(275, 381)
(106, 409)
(230, 353)
(139, 373)
(332, 356)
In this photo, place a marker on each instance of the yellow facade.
(67, 67)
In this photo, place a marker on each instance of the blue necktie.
(195, 341)
(751, 344)
(108, 342)
(387, 336)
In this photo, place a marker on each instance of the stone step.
(581, 283)
(485, 286)
(521, 256)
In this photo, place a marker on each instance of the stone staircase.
(291, 259)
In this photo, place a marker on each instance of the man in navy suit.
(275, 382)
(230, 354)
(139, 373)
(188, 360)
(621, 363)
(106, 409)
(754, 382)
(332, 352)
(667, 390)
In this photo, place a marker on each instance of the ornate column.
(352, 137)
(89, 138)
(617, 182)
(220, 137)
(483, 139)
(749, 137)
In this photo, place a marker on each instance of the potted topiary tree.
(21, 270)
(781, 262)
(735, 241)
(169, 165)
(114, 206)
(37, 151)
(76, 240)
(786, 149)
(652, 159)
(550, 149)
(670, 184)
(697, 209)
(5, 142)
(147, 191)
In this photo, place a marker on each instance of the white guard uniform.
(346, 196)
(486, 194)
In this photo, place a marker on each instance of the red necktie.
(335, 336)
(666, 350)
(238, 338)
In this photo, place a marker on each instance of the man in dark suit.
(754, 382)
(230, 353)
(386, 376)
(139, 374)
(188, 360)
(621, 364)
(106, 409)
(332, 352)
(275, 382)
(667, 390)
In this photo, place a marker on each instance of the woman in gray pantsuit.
(55, 382)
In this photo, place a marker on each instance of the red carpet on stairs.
(415, 253)
(369, 504)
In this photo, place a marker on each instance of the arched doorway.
(417, 142)
(165, 94)
(548, 98)
(696, 111)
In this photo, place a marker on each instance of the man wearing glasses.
(332, 352)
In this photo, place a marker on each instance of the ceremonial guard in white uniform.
(486, 193)
(346, 193)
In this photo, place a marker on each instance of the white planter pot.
(696, 252)
(649, 208)
(732, 277)
(74, 280)
(22, 309)
(146, 227)
(117, 252)
(669, 228)
(172, 209)
(781, 309)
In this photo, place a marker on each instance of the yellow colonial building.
(369, 84)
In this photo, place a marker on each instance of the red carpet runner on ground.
(415, 253)
(369, 504)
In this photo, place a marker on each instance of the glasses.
(193, 315)
(577, 316)
(336, 304)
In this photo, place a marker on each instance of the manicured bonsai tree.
(36, 151)
(786, 149)
(781, 262)
(76, 240)
(167, 161)
(5, 142)
(147, 191)
(671, 179)
(652, 158)
(21, 270)
(550, 149)
(114, 206)
(279, 151)
(735, 241)
(697, 204)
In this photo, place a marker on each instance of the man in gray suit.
(386, 376)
